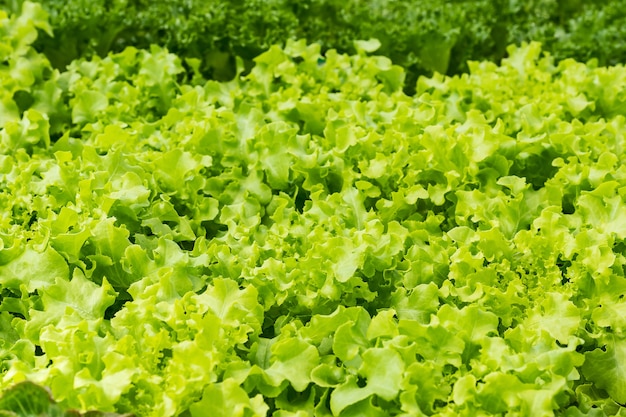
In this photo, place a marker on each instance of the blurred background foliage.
(423, 36)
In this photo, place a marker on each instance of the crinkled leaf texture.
(606, 366)
(307, 239)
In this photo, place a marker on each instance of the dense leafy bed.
(307, 239)
(421, 35)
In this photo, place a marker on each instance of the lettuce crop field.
(306, 238)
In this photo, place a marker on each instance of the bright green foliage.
(307, 239)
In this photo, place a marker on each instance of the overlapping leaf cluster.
(307, 239)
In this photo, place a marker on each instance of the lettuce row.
(307, 239)
(421, 35)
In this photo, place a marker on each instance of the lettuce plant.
(307, 239)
